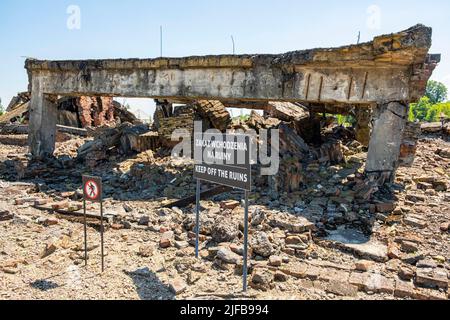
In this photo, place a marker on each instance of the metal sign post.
(92, 191)
(85, 233)
(197, 220)
(101, 236)
(244, 268)
(235, 172)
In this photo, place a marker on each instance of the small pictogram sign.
(92, 188)
(92, 191)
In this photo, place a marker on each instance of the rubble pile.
(323, 241)
(286, 111)
(147, 176)
(215, 112)
(318, 229)
(437, 127)
(20, 99)
(169, 119)
(124, 139)
(181, 118)
(299, 159)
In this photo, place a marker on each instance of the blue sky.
(130, 29)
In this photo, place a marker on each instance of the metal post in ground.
(244, 268)
(101, 235)
(197, 220)
(85, 233)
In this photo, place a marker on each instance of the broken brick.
(432, 278)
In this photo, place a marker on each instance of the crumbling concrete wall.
(95, 111)
(78, 112)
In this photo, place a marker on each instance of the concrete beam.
(390, 68)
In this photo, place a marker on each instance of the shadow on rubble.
(148, 286)
(49, 283)
(356, 225)
(44, 285)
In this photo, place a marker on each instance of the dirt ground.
(406, 255)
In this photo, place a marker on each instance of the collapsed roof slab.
(392, 67)
(387, 73)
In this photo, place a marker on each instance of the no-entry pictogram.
(92, 189)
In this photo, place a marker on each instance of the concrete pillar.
(363, 125)
(42, 126)
(384, 146)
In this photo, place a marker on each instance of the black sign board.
(223, 159)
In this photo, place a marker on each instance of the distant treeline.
(425, 111)
(432, 106)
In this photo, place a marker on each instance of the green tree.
(346, 121)
(436, 110)
(419, 111)
(436, 92)
(425, 111)
(2, 110)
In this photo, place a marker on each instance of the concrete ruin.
(378, 79)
